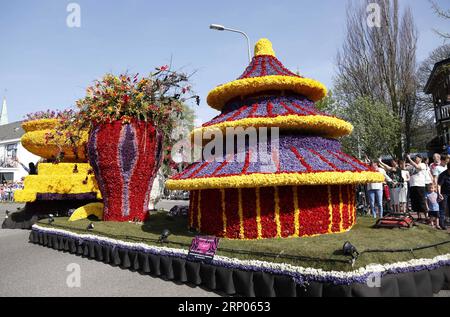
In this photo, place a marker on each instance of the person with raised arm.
(417, 185)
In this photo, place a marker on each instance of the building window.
(6, 177)
(10, 156)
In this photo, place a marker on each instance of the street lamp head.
(217, 27)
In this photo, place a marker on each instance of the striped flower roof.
(266, 65)
(299, 160)
(265, 73)
(268, 94)
(286, 112)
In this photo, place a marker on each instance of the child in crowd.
(433, 204)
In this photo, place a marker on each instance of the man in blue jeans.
(375, 191)
(444, 195)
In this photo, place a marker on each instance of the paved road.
(32, 270)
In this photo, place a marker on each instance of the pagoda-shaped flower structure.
(309, 188)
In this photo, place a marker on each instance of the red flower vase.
(125, 158)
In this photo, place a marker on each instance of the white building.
(11, 150)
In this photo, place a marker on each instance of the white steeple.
(4, 113)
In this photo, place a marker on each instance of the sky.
(44, 64)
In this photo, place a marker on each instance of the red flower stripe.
(286, 197)
(263, 67)
(351, 158)
(325, 160)
(267, 204)
(254, 65)
(187, 170)
(303, 109)
(216, 119)
(108, 135)
(232, 212)
(212, 211)
(285, 70)
(198, 171)
(276, 159)
(290, 111)
(336, 225)
(301, 159)
(270, 109)
(140, 183)
(353, 203)
(345, 161)
(345, 211)
(219, 168)
(351, 206)
(193, 206)
(247, 162)
(199, 210)
(243, 108)
(249, 213)
(275, 67)
(314, 211)
(253, 111)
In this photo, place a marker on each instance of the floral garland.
(310, 88)
(322, 125)
(301, 275)
(261, 180)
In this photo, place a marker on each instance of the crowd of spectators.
(7, 190)
(413, 185)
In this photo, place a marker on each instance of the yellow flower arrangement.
(264, 47)
(85, 211)
(62, 178)
(37, 141)
(287, 179)
(309, 88)
(70, 169)
(41, 124)
(322, 125)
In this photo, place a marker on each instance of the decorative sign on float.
(203, 249)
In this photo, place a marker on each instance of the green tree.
(328, 104)
(380, 63)
(375, 128)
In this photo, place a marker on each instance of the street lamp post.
(219, 27)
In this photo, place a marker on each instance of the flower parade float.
(282, 224)
(308, 187)
(130, 120)
(110, 149)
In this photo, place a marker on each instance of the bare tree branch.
(445, 14)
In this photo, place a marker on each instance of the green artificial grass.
(327, 247)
